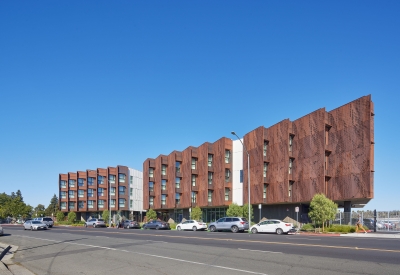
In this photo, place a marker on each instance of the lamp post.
(248, 174)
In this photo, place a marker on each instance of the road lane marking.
(153, 255)
(264, 251)
(303, 239)
(250, 241)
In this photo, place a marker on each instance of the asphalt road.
(103, 251)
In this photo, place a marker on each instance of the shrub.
(172, 225)
(151, 215)
(71, 217)
(60, 216)
(307, 227)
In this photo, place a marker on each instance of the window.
(121, 177)
(178, 166)
(209, 196)
(121, 190)
(227, 156)
(63, 194)
(151, 201)
(111, 179)
(90, 204)
(163, 184)
(194, 197)
(210, 160)
(227, 175)
(290, 188)
(177, 198)
(81, 204)
(63, 205)
(210, 177)
(151, 186)
(163, 169)
(265, 191)
(121, 202)
(290, 166)
(194, 180)
(226, 194)
(131, 179)
(90, 181)
(151, 172)
(177, 182)
(90, 193)
(81, 193)
(194, 163)
(241, 176)
(71, 194)
(100, 192)
(63, 184)
(131, 204)
(131, 192)
(71, 183)
(327, 128)
(71, 205)
(100, 203)
(265, 169)
(100, 180)
(265, 148)
(81, 182)
(112, 203)
(112, 191)
(291, 142)
(163, 199)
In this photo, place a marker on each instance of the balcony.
(210, 203)
(151, 194)
(164, 192)
(178, 174)
(195, 188)
(178, 205)
(328, 149)
(264, 200)
(210, 168)
(266, 159)
(164, 177)
(178, 190)
(194, 204)
(327, 174)
(210, 186)
(194, 171)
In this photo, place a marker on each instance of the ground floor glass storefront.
(213, 214)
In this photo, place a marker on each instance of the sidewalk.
(372, 235)
(7, 266)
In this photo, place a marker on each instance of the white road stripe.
(158, 256)
(264, 251)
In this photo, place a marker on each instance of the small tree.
(322, 209)
(196, 213)
(60, 216)
(151, 215)
(245, 213)
(105, 216)
(234, 210)
(71, 217)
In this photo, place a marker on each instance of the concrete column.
(347, 212)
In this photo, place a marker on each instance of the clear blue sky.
(88, 84)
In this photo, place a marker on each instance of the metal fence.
(385, 220)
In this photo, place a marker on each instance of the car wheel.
(279, 231)
(157, 227)
(212, 228)
(178, 228)
(254, 230)
(94, 225)
(194, 228)
(31, 228)
(24, 228)
(234, 229)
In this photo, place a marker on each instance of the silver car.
(46, 220)
(95, 223)
(234, 224)
(1, 231)
(34, 225)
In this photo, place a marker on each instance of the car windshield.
(101, 220)
(36, 222)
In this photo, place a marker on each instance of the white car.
(272, 226)
(191, 225)
(34, 225)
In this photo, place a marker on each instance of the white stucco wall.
(237, 165)
(137, 193)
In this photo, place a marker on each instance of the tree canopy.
(14, 206)
(151, 215)
(322, 209)
(196, 213)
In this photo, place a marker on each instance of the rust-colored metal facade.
(322, 152)
(330, 153)
(89, 180)
(193, 162)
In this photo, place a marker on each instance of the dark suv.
(234, 224)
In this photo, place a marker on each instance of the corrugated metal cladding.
(329, 152)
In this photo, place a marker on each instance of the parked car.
(191, 225)
(234, 224)
(46, 220)
(1, 231)
(95, 223)
(131, 224)
(272, 226)
(35, 225)
(156, 225)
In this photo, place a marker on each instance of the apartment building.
(322, 152)
(88, 193)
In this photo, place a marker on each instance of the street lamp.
(248, 173)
